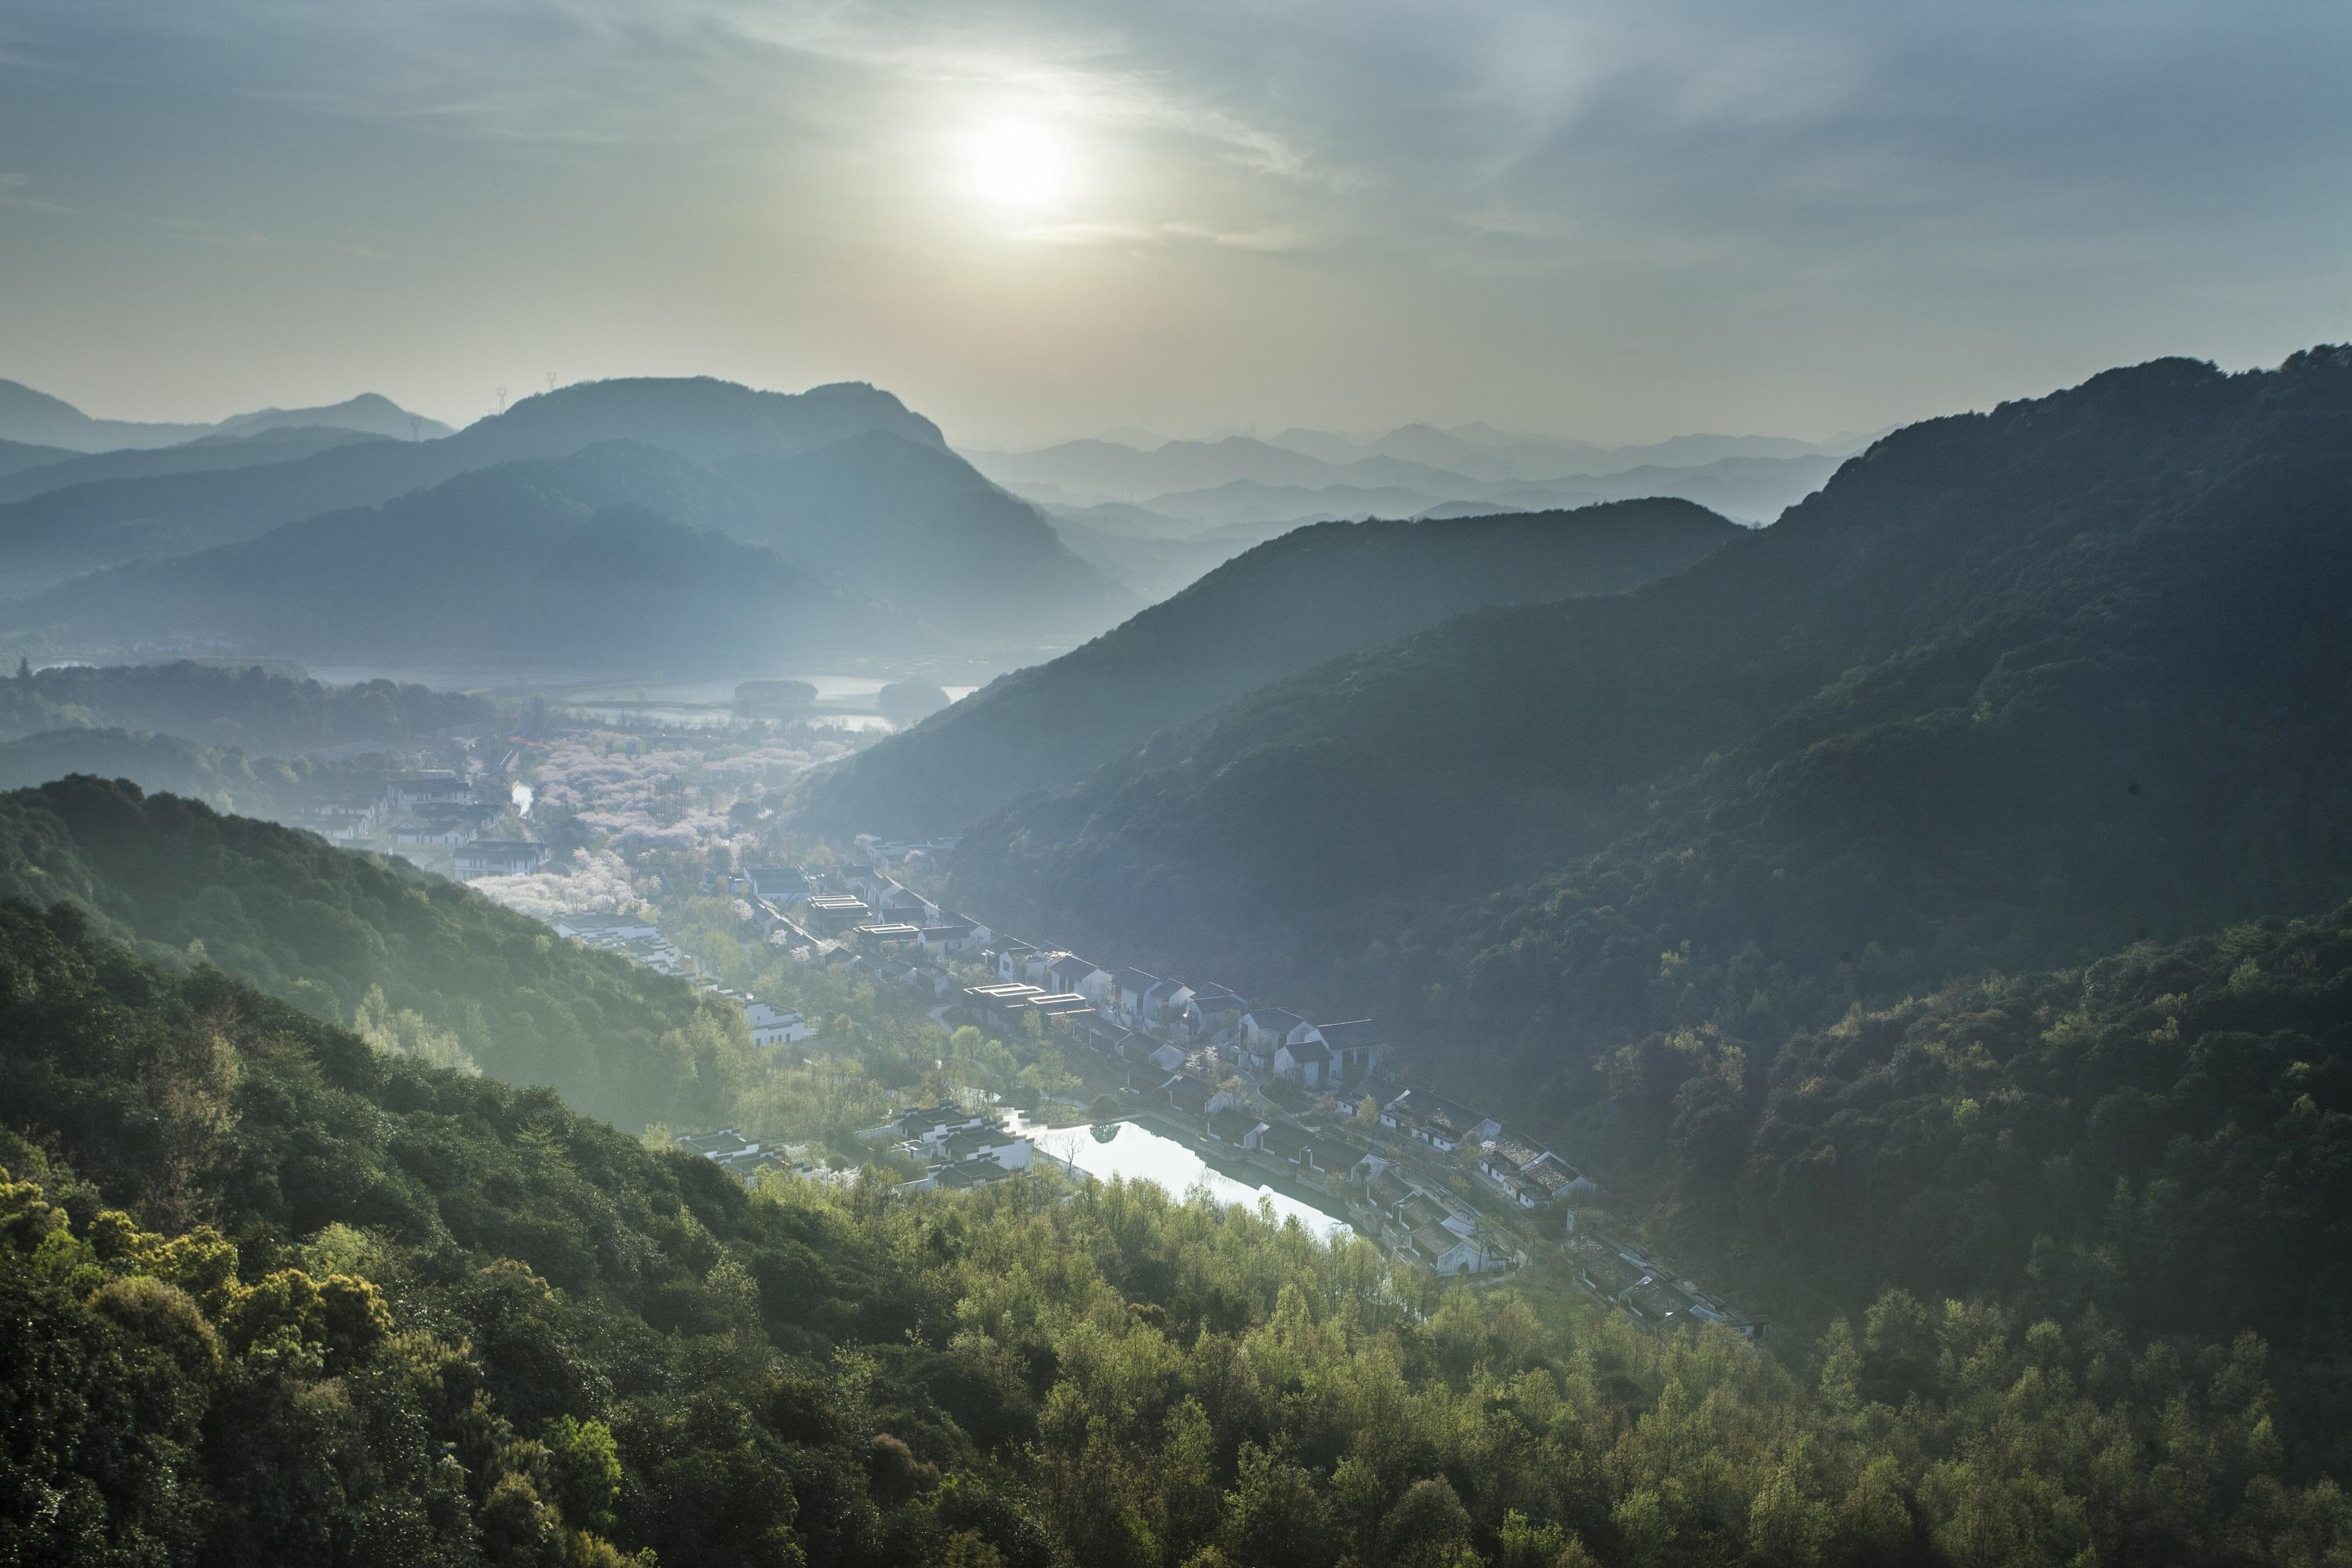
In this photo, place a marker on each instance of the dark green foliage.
(2165, 1137)
(321, 927)
(224, 779)
(2010, 690)
(261, 710)
(328, 1350)
(1316, 593)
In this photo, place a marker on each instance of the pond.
(1141, 1154)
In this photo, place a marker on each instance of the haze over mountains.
(1995, 696)
(1411, 470)
(1313, 593)
(843, 494)
(27, 416)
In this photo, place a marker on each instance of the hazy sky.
(1613, 220)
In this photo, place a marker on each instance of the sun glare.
(1017, 165)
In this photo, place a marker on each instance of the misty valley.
(1535, 785)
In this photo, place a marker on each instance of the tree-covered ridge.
(411, 959)
(1995, 697)
(2164, 1139)
(259, 708)
(1314, 593)
(224, 778)
(356, 1309)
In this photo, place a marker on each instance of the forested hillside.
(226, 779)
(423, 965)
(273, 445)
(275, 1297)
(1289, 604)
(2014, 689)
(924, 529)
(249, 706)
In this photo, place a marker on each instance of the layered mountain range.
(2011, 688)
(691, 524)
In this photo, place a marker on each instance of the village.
(1267, 1095)
(1270, 1096)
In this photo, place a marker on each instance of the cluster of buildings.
(436, 812)
(642, 941)
(1638, 1281)
(958, 1149)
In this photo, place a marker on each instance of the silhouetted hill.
(48, 537)
(37, 417)
(29, 415)
(1288, 603)
(275, 445)
(918, 526)
(567, 562)
(220, 705)
(369, 413)
(19, 456)
(2015, 687)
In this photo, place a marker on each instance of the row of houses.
(639, 940)
(1526, 1173)
(432, 809)
(1637, 1280)
(958, 1149)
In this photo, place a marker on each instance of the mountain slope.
(37, 417)
(369, 413)
(568, 562)
(275, 445)
(322, 928)
(1286, 604)
(260, 710)
(2011, 687)
(918, 526)
(17, 455)
(273, 1298)
(48, 537)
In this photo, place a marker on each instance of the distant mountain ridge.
(48, 537)
(1412, 470)
(567, 561)
(1306, 597)
(272, 444)
(34, 417)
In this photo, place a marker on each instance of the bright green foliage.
(416, 963)
(563, 1345)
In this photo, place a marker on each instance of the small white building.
(773, 1026)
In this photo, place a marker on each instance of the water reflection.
(1139, 1153)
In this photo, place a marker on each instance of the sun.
(1017, 164)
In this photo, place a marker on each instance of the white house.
(439, 787)
(1263, 1028)
(1437, 1121)
(778, 884)
(600, 926)
(1070, 972)
(1303, 1060)
(1132, 984)
(498, 858)
(1164, 1002)
(773, 1026)
(1351, 1050)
